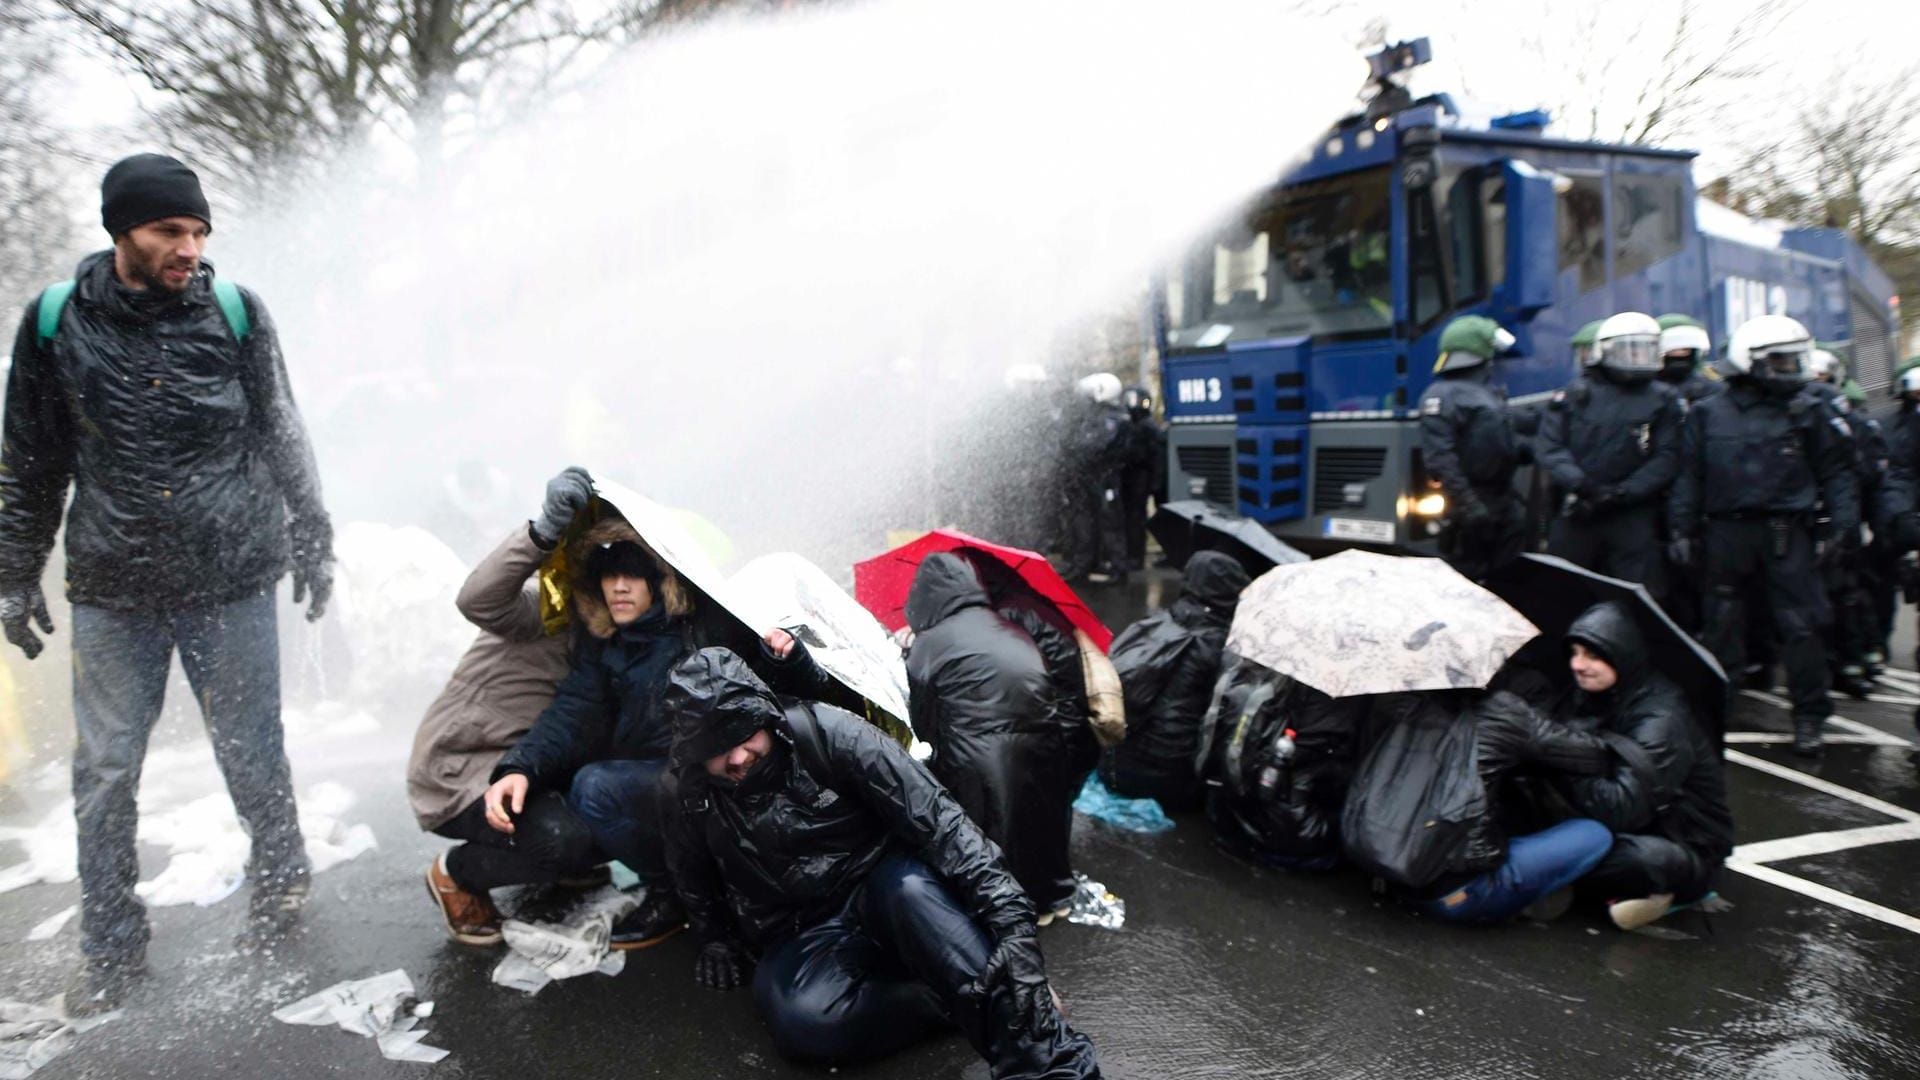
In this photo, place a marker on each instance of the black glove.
(1578, 507)
(1017, 966)
(567, 495)
(1473, 513)
(1607, 499)
(313, 567)
(722, 965)
(18, 604)
(1680, 552)
(1829, 550)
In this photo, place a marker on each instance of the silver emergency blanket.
(1093, 905)
(540, 952)
(1361, 623)
(382, 1007)
(784, 589)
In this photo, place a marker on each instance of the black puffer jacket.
(1677, 787)
(192, 476)
(1165, 720)
(982, 697)
(789, 845)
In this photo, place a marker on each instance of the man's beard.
(153, 276)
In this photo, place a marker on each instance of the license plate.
(1371, 532)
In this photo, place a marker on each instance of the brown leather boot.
(471, 917)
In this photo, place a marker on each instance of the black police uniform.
(1846, 576)
(1141, 476)
(1613, 448)
(1095, 449)
(1756, 468)
(1470, 449)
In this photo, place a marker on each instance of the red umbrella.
(881, 583)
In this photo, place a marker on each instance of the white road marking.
(1867, 731)
(1781, 738)
(1822, 893)
(1825, 843)
(1900, 678)
(1824, 786)
(1895, 699)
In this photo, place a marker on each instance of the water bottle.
(1280, 757)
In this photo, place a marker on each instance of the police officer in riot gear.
(1611, 441)
(1584, 356)
(1759, 463)
(1849, 578)
(1470, 449)
(1143, 470)
(1684, 349)
(1094, 450)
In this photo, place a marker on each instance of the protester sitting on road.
(1168, 663)
(1451, 757)
(980, 695)
(877, 912)
(1663, 795)
(603, 740)
(1278, 762)
(497, 691)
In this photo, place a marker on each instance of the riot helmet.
(1774, 351)
(1469, 342)
(1582, 342)
(1826, 367)
(1101, 388)
(1139, 402)
(1681, 347)
(1627, 347)
(1907, 385)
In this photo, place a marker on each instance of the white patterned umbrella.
(1361, 623)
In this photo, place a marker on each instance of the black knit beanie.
(148, 187)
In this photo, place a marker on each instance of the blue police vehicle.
(1297, 340)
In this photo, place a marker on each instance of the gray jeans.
(231, 655)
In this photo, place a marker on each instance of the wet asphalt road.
(1223, 970)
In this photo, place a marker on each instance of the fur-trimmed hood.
(588, 605)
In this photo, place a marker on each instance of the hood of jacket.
(97, 286)
(715, 702)
(944, 584)
(1216, 579)
(589, 604)
(1609, 629)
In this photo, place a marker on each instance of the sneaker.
(1643, 911)
(1551, 906)
(658, 918)
(471, 917)
(99, 986)
(272, 912)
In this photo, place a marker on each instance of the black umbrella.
(1190, 525)
(1552, 592)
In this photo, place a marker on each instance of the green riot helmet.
(1470, 341)
(1583, 353)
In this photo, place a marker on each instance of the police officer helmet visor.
(1787, 359)
(1632, 352)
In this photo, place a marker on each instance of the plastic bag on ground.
(1415, 799)
(32, 1035)
(1133, 815)
(381, 1007)
(1093, 905)
(538, 952)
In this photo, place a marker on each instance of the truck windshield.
(1308, 259)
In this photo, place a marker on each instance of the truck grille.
(1213, 464)
(1872, 352)
(1335, 467)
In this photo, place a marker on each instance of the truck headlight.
(1433, 504)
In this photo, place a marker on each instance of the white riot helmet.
(1628, 346)
(1101, 388)
(1826, 367)
(1908, 382)
(1685, 339)
(1774, 350)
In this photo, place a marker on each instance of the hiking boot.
(658, 918)
(99, 986)
(1643, 911)
(1806, 736)
(471, 917)
(272, 911)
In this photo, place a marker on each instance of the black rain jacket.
(1599, 434)
(1749, 452)
(789, 846)
(1468, 438)
(193, 481)
(1165, 724)
(1669, 781)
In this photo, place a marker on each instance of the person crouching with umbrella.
(1664, 795)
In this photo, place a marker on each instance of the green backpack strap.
(233, 306)
(52, 302)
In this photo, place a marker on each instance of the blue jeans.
(620, 803)
(231, 655)
(1537, 864)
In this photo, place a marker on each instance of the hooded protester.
(1664, 793)
(497, 691)
(1168, 663)
(878, 913)
(982, 696)
(1454, 759)
(604, 738)
(156, 391)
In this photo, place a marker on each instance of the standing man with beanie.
(157, 391)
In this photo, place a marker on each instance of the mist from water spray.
(760, 266)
